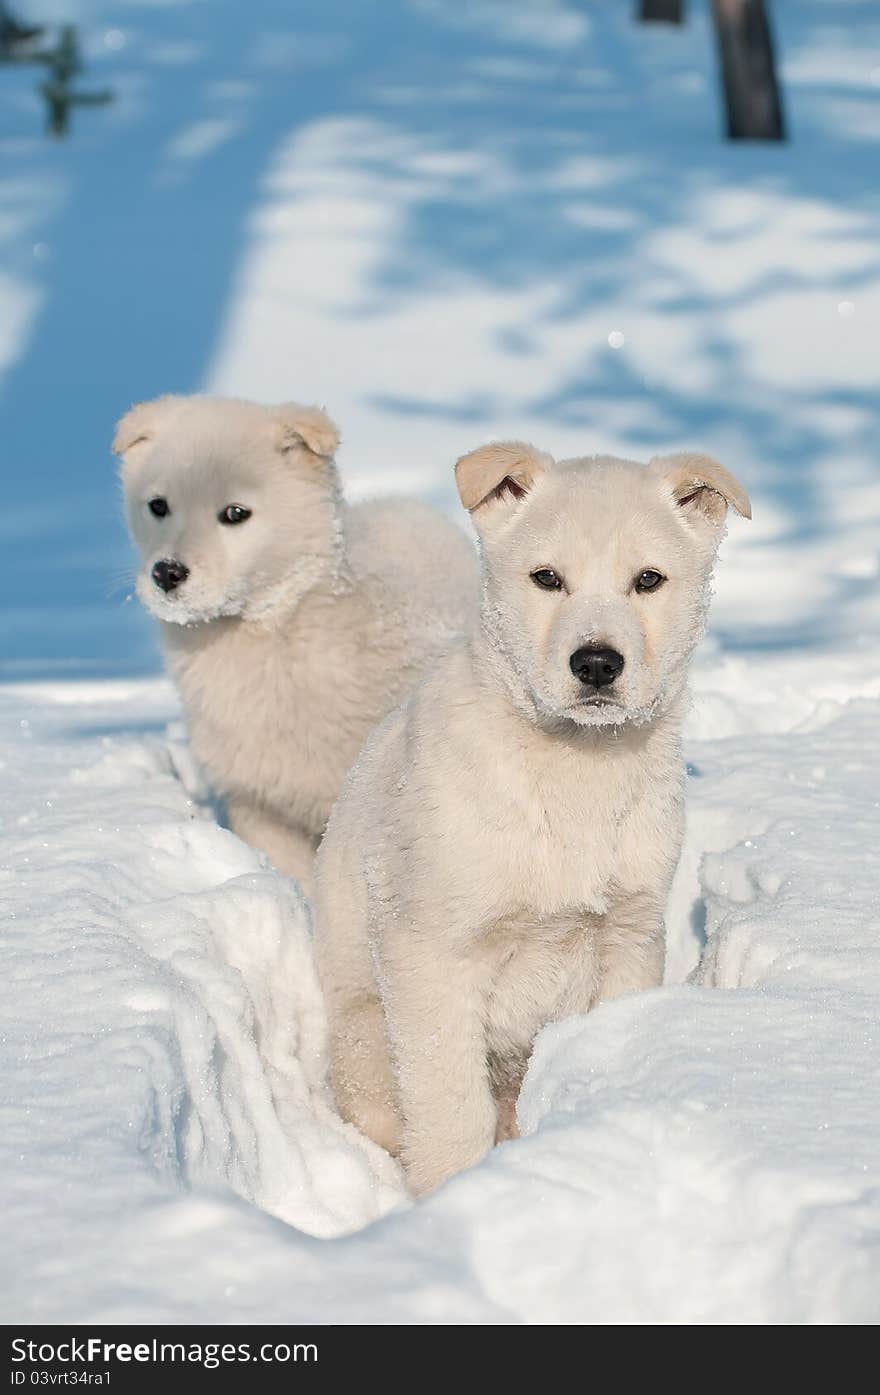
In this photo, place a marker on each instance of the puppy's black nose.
(595, 666)
(168, 574)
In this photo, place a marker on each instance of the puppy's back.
(424, 559)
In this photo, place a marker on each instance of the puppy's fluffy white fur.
(502, 851)
(295, 631)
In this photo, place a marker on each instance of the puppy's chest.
(567, 852)
(256, 717)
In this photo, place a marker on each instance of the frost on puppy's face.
(232, 505)
(595, 574)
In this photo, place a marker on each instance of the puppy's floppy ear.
(701, 486)
(308, 427)
(141, 424)
(501, 472)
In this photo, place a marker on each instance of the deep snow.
(432, 217)
(691, 1155)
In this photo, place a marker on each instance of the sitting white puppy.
(502, 851)
(291, 622)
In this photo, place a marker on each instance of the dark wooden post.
(748, 70)
(661, 11)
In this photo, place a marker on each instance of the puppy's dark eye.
(234, 513)
(649, 580)
(547, 578)
(158, 507)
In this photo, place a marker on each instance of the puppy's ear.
(141, 425)
(306, 427)
(700, 486)
(497, 476)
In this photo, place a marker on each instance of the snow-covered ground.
(691, 1155)
(432, 216)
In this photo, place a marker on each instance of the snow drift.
(706, 1152)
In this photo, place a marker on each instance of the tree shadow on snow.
(584, 165)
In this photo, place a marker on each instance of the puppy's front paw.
(422, 1176)
(429, 1162)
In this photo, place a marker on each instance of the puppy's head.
(595, 573)
(233, 506)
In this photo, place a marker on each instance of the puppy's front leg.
(434, 996)
(632, 945)
(289, 849)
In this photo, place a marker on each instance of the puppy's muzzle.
(596, 667)
(169, 574)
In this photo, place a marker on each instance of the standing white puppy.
(502, 851)
(291, 622)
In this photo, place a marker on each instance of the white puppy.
(502, 851)
(291, 622)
